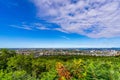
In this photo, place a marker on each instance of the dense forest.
(27, 67)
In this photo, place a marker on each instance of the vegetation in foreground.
(26, 67)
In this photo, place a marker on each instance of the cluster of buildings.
(50, 52)
(63, 51)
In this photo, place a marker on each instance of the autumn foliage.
(62, 72)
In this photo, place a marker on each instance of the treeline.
(27, 67)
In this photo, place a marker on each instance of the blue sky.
(59, 23)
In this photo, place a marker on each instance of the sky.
(59, 23)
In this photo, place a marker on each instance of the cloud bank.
(92, 18)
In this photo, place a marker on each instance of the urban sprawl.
(64, 51)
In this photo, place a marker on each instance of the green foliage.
(4, 57)
(50, 75)
(26, 67)
(16, 75)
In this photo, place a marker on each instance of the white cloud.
(60, 29)
(31, 26)
(92, 18)
(40, 26)
(26, 27)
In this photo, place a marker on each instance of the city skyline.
(59, 24)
